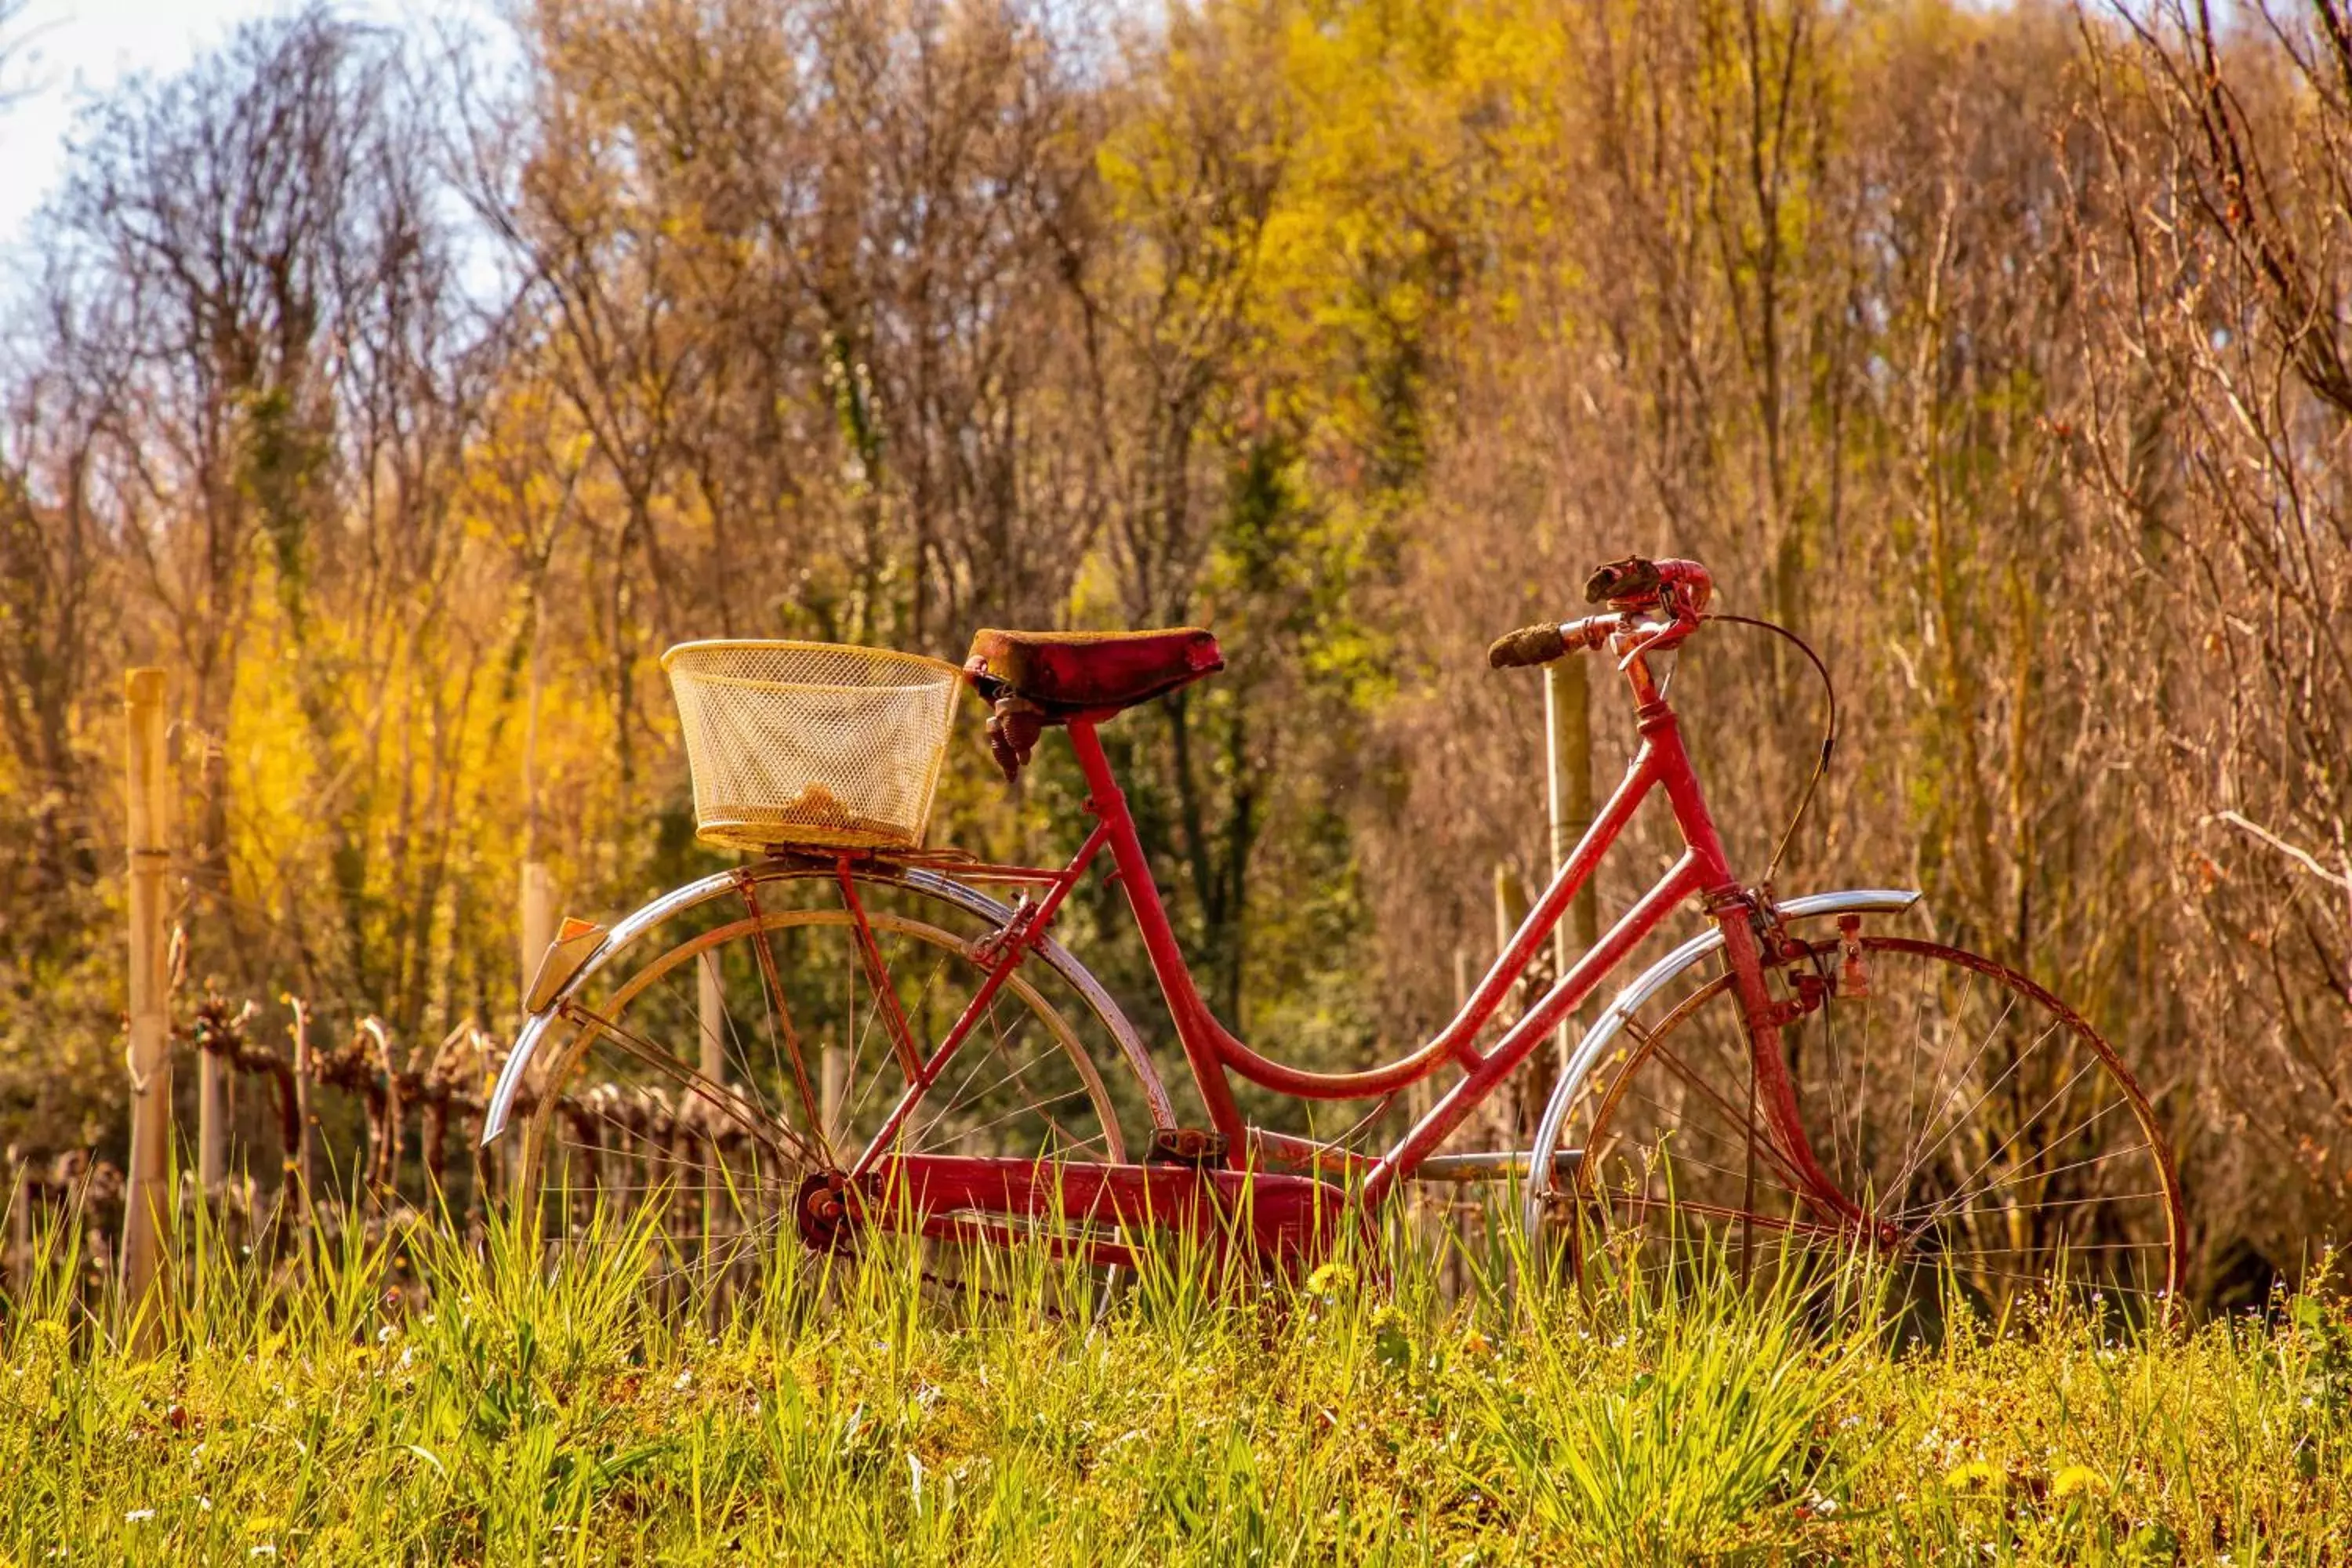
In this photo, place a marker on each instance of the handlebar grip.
(1528, 646)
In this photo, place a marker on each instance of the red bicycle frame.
(1287, 1212)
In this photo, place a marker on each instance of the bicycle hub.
(823, 1211)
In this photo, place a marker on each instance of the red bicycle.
(849, 1033)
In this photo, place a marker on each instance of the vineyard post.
(1568, 733)
(20, 1221)
(537, 921)
(710, 1013)
(538, 912)
(536, 896)
(1430, 1206)
(147, 1198)
(298, 1157)
(832, 1081)
(1510, 913)
(712, 1009)
(1501, 1116)
(211, 1124)
(1422, 1094)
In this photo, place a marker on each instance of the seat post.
(1197, 1029)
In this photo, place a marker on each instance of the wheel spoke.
(2027, 1173)
(1974, 1119)
(2072, 1165)
(1676, 1206)
(621, 1126)
(1737, 1119)
(780, 1016)
(662, 1062)
(1982, 1165)
(1918, 1155)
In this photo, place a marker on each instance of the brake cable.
(1828, 730)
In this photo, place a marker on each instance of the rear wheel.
(1976, 1134)
(758, 1046)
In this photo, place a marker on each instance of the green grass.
(438, 1406)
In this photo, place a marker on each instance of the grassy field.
(591, 1413)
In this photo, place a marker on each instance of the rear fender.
(625, 934)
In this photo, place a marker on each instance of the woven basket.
(812, 743)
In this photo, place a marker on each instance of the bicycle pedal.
(1197, 1147)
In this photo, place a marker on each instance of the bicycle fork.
(1772, 1096)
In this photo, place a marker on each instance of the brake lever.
(1677, 628)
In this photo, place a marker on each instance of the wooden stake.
(211, 1125)
(1567, 731)
(711, 1005)
(1510, 904)
(535, 923)
(832, 1082)
(1510, 913)
(537, 899)
(147, 1198)
(1421, 1097)
(297, 1158)
(710, 1010)
(20, 1221)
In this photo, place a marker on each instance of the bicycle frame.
(1211, 1052)
(1291, 1205)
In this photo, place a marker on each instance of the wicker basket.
(812, 743)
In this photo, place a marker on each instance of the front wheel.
(1976, 1135)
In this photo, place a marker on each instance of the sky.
(70, 51)
(67, 52)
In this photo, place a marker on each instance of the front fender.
(628, 932)
(1646, 986)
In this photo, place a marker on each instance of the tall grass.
(433, 1404)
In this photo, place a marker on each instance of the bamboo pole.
(147, 1198)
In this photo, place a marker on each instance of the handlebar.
(1531, 646)
(1676, 592)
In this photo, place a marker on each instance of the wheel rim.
(1996, 1147)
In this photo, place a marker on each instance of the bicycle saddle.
(1031, 680)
